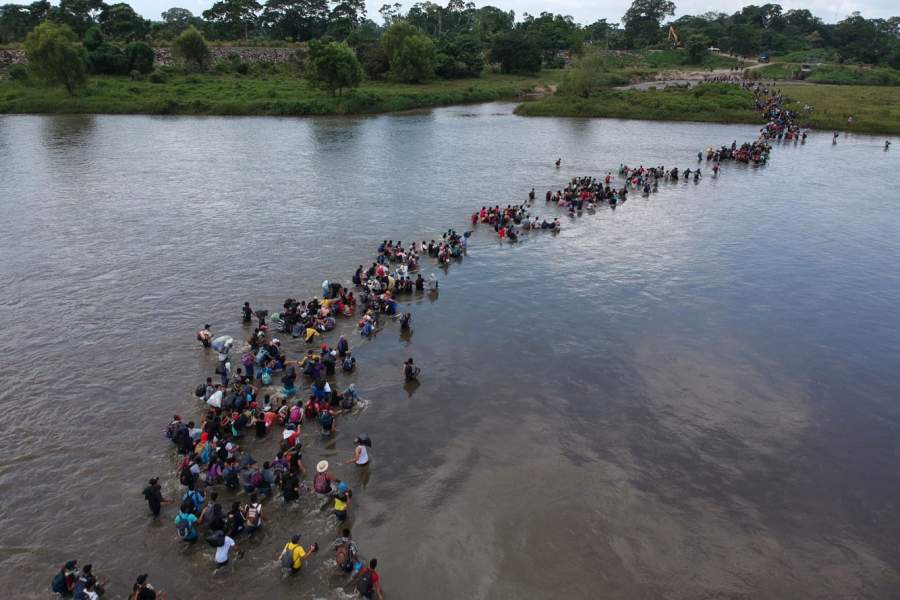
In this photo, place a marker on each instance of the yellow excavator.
(675, 38)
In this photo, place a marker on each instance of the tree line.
(461, 27)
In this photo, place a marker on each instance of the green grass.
(875, 109)
(708, 103)
(264, 94)
(834, 74)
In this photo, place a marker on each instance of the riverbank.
(717, 103)
(875, 109)
(266, 94)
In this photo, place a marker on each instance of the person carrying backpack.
(322, 479)
(292, 554)
(346, 553)
(369, 583)
(195, 497)
(253, 514)
(142, 590)
(186, 522)
(64, 581)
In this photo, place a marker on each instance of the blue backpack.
(184, 527)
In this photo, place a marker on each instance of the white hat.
(322, 466)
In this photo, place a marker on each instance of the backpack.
(216, 538)
(348, 363)
(256, 479)
(287, 558)
(184, 527)
(320, 483)
(266, 377)
(344, 557)
(253, 514)
(196, 499)
(58, 585)
(200, 391)
(247, 359)
(327, 420)
(364, 585)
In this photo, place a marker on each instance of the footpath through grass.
(268, 94)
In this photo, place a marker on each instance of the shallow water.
(692, 396)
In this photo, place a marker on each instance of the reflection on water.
(691, 396)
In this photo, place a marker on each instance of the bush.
(55, 54)
(93, 38)
(107, 59)
(191, 47)
(18, 72)
(516, 52)
(414, 59)
(135, 75)
(140, 57)
(332, 66)
(374, 60)
(460, 56)
(158, 76)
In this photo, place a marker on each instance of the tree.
(490, 20)
(16, 20)
(516, 52)
(697, 47)
(79, 14)
(414, 60)
(120, 22)
(346, 17)
(55, 54)
(390, 13)
(332, 66)
(191, 47)
(233, 16)
(374, 59)
(642, 21)
(140, 57)
(460, 56)
(300, 20)
(395, 35)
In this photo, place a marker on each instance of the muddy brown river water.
(693, 396)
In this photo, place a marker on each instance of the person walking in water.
(153, 495)
(360, 452)
(204, 336)
(369, 583)
(410, 370)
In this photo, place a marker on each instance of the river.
(693, 396)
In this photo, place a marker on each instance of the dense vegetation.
(752, 30)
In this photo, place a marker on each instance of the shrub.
(107, 59)
(158, 76)
(140, 57)
(135, 75)
(55, 54)
(191, 47)
(18, 72)
(333, 66)
(414, 59)
(374, 60)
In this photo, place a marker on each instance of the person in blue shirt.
(186, 522)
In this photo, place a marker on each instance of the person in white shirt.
(223, 550)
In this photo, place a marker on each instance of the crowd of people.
(243, 405)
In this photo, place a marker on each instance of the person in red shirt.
(369, 583)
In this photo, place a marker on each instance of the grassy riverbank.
(709, 103)
(875, 109)
(267, 94)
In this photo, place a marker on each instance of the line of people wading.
(244, 406)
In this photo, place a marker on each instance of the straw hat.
(322, 466)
